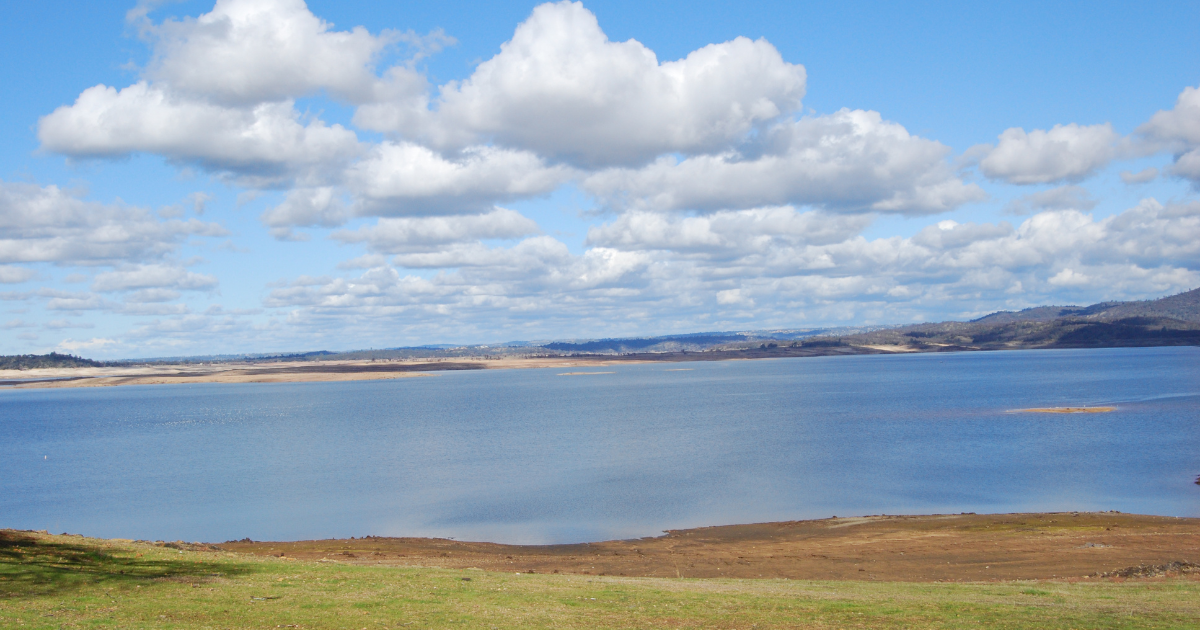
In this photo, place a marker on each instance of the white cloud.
(1180, 125)
(10, 274)
(262, 144)
(68, 301)
(850, 160)
(47, 224)
(560, 88)
(246, 52)
(1070, 278)
(1065, 153)
(400, 235)
(1178, 130)
(399, 178)
(305, 207)
(732, 232)
(153, 276)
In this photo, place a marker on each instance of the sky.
(191, 178)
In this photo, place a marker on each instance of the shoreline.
(1086, 546)
(366, 369)
(898, 548)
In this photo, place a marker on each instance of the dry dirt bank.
(905, 548)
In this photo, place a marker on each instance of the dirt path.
(906, 548)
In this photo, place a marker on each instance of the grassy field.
(74, 582)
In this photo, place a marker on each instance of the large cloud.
(264, 142)
(399, 178)
(850, 160)
(47, 224)
(1178, 130)
(406, 179)
(560, 88)
(1065, 153)
(246, 52)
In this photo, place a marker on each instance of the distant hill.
(1169, 321)
(52, 360)
(1183, 307)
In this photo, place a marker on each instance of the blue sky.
(265, 175)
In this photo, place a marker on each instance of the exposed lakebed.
(529, 456)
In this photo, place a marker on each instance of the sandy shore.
(282, 372)
(965, 547)
(308, 371)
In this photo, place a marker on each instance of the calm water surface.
(532, 456)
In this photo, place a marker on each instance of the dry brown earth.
(964, 547)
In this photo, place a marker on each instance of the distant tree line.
(52, 360)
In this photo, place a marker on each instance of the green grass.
(72, 582)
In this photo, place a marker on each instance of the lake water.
(532, 456)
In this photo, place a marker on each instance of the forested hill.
(52, 360)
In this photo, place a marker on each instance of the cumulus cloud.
(1069, 153)
(245, 52)
(559, 101)
(1180, 124)
(48, 224)
(263, 144)
(393, 236)
(850, 160)
(399, 178)
(1178, 130)
(305, 207)
(562, 89)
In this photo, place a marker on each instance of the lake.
(532, 456)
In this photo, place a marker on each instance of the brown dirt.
(964, 547)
